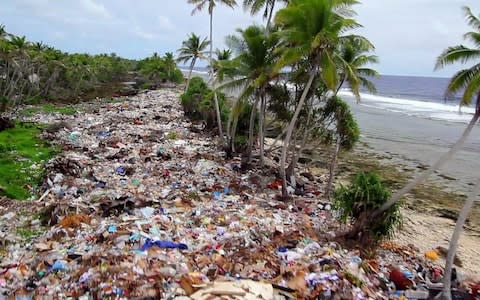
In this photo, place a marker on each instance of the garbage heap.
(141, 204)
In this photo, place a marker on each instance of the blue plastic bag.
(163, 244)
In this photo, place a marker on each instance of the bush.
(198, 103)
(365, 194)
(347, 127)
(177, 76)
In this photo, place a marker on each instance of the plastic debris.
(163, 244)
(126, 201)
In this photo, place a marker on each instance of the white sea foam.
(423, 109)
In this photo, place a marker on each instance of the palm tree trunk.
(333, 166)
(192, 65)
(215, 98)
(261, 128)
(297, 152)
(342, 81)
(251, 129)
(233, 135)
(286, 142)
(270, 14)
(462, 217)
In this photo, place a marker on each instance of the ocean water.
(422, 97)
(416, 96)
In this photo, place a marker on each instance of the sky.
(408, 34)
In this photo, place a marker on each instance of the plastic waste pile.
(131, 210)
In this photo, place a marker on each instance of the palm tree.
(467, 79)
(199, 5)
(192, 50)
(222, 56)
(352, 56)
(170, 64)
(311, 29)
(462, 218)
(253, 70)
(256, 5)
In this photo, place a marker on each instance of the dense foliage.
(197, 102)
(365, 194)
(159, 70)
(31, 72)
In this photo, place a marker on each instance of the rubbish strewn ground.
(141, 204)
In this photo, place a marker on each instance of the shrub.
(198, 103)
(347, 127)
(177, 76)
(365, 194)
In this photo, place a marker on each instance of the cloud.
(165, 23)
(94, 8)
(408, 34)
(139, 32)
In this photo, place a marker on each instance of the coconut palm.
(170, 64)
(199, 5)
(311, 29)
(256, 6)
(353, 56)
(221, 57)
(253, 70)
(192, 50)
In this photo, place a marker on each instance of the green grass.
(27, 233)
(172, 135)
(49, 108)
(22, 154)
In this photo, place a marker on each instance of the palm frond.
(368, 85)
(456, 54)
(367, 72)
(329, 71)
(461, 80)
(471, 89)
(472, 20)
(473, 37)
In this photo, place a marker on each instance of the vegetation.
(197, 102)
(268, 6)
(346, 131)
(251, 71)
(367, 193)
(160, 69)
(199, 5)
(22, 154)
(193, 49)
(49, 108)
(468, 81)
(35, 72)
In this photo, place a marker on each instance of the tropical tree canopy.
(201, 4)
(466, 80)
(353, 60)
(193, 48)
(311, 29)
